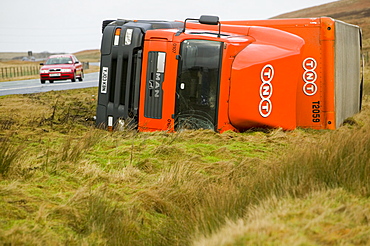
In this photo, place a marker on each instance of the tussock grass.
(9, 153)
(330, 217)
(338, 160)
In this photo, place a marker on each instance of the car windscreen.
(59, 60)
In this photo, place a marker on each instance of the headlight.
(66, 70)
(44, 71)
(128, 36)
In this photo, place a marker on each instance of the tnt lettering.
(267, 74)
(309, 76)
(266, 90)
(265, 106)
(309, 64)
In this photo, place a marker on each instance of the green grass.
(67, 183)
(333, 217)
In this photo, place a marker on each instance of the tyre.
(105, 23)
(74, 77)
(42, 81)
(81, 76)
(51, 81)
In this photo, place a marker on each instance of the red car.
(61, 67)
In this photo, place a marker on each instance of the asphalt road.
(34, 85)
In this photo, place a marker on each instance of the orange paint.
(272, 73)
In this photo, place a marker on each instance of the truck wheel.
(74, 77)
(51, 81)
(105, 23)
(81, 76)
(42, 81)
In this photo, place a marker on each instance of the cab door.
(197, 87)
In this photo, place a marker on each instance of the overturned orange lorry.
(230, 75)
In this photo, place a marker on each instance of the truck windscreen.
(198, 84)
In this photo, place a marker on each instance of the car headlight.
(66, 70)
(44, 71)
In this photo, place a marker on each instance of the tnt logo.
(309, 64)
(265, 106)
(267, 74)
(309, 76)
(266, 91)
(310, 89)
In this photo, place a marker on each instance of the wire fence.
(11, 72)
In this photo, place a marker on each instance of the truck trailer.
(230, 75)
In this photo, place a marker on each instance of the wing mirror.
(206, 20)
(209, 20)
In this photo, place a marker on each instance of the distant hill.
(351, 11)
(88, 55)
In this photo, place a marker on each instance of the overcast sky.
(75, 25)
